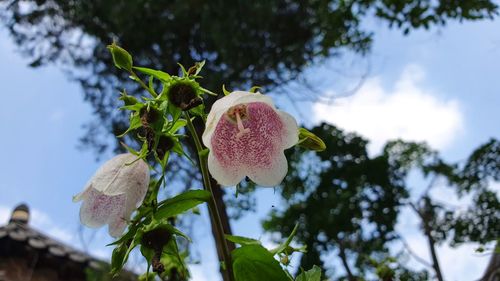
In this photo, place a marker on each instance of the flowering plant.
(244, 136)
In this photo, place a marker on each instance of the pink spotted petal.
(220, 107)
(261, 149)
(272, 175)
(98, 209)
(117, 226)
(291, 135)
(225, 176)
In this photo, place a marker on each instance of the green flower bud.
(121, 58)
(310, 141)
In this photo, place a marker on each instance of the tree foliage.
(265, 43)
(348, 202)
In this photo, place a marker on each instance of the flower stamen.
(237, 113)
(241, 128)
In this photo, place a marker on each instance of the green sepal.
(310, 141)
(254, 89)
(195, 69)
(226, 92)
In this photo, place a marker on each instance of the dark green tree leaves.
(263, 42)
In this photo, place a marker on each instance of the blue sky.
(441, 86)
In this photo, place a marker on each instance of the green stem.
(132, 73)
(213, 210)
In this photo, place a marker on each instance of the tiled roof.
(34, 239)
(19, 240)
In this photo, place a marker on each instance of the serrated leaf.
(242, 240)
(133, 107)
(177, 125)
(127, 99)
(158, 74)
(314, 274)
(135, 122)
(181, 203)
(255, 263)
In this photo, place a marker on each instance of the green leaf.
(313, 274)
(255, 263)
(174, 111)
(242, 240)
(133, 107)
(181, 203)
(135, 122)
(177, 125)
(127, 99)
(158, 74)
(147, 253)
(117, 258)
(120, 255)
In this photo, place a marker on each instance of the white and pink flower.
(113, 193)
(246, 136)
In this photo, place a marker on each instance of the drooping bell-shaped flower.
(246, 136)
(114, 192)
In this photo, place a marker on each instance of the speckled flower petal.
(257, 153)
(117, 226)
(291, 135)
(98, 209)
(225, 176)
(114, 192)
(270, 176)
(220, 107)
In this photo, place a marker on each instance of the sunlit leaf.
(255, 263)
(181, 203)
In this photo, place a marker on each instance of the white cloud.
(409, 111)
